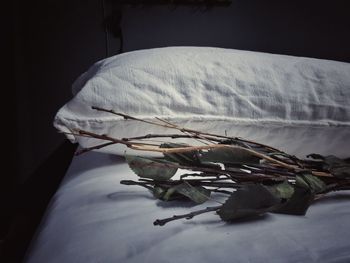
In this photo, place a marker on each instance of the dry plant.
(256, 178)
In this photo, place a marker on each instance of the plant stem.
(177, 182)
(194, 136)
(84, 150)
(233, 175)
(162, 222)
(172, 136)
(213, 146)
(143, 184)
(125, 116)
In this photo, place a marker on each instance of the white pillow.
(270, 98)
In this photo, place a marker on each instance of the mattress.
(93, 218)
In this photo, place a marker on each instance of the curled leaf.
(158, 192)
(229, 155)
(305, 188)
(183, 158)
(198, 194)
(338, 167)
(151, 168)
(341, 171)
(299, 203)
(283, 191)
(308, 181)
(250, 200)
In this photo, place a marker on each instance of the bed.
(299, 105)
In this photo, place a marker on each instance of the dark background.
(48, 44)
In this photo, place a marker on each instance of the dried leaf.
(315, 156)
(338, 167)
(171, 194)
(305, 188)
(298, 203)
(158, 192)
(250, 200)
(198, 194)
(229, 155)
(183, 158)
(308, 181)
(150, 168)
(341, 172)
(282, 191)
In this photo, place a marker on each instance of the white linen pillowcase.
(300, 105)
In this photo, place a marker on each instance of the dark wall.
(8, 117)
(55, 42)
(302, 28)
(45, 46)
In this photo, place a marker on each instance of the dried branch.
(171, 126)
(172, 136)
(193, 182)
(195, 136)
(84, 150)
(156, 148)
(148, 136)
(162, 222)
(233, 175)
(213, 146)
(143, 146)
(225, 172)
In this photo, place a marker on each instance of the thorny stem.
(162, 222)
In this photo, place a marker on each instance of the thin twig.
(193, 182)
(128, 117)
(194, 136)
(125, 116)
(172, 136)
(234, 175)
(108, 138)
(213, 146)
(143, 184)
(143, 146)
(148, 136)
(162, 222)
(84, 150)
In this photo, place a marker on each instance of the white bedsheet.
(93, 218)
